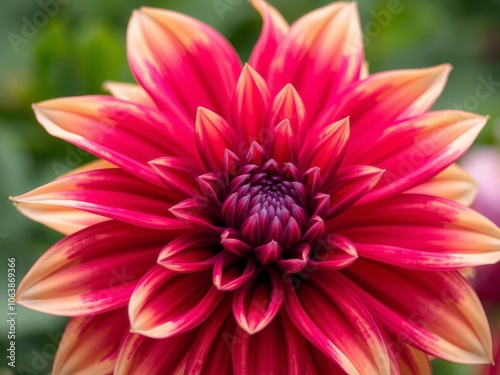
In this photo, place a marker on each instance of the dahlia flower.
(292, 215)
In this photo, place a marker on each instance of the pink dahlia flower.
(294, 215)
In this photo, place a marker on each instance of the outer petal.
(437, 312)
(386, 97)
(433, 233)
(78, 352)
(179, 61)
(277, 349)
(453, 183)
(411, 361)
(129, 92)
(415, 150)
(123, 133)
(349, 336)
(321, 54)
(166, 303)
(91, 271)
(140, 355)
(111, 193)
(178, 174)
(274, 29)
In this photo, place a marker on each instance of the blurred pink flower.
(292, 216)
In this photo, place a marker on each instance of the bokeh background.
(74, 48)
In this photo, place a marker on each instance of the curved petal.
(415, 150)
(250, 105)
(179, 60)
(231, 272)
(319, 364)
(91, 271)
(123, 133)
(436, 312)
(112, 193)
(273, 30)
(192, 252)
(332, 253)
(129, 92)
(277, 349)
(166, 303)
(453, 183)
(385, 97)
(140, 355)
(285, 144)
(288, 105)
(256, 304)
(411, 361)
(320, 55)
(78, 352)
(213, 137)
(432, 234)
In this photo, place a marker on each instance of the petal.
(78, 352)
(331, 253)
(277, 349)
(178, 174)
(108, 128)
(231, 272)
(286, 147)
(91, 271)
(436, 312)
(211, 351)
(140, 355)
(325, 149)
(192, 252)
(386, 97)
(415, 150)
(412, 361)
(112, 193)
(453, 183)
(350, 185)
(288, 105)
(250, 105)
(256, 304)
(166, 303)
(129, 92)
(273, 30)
(213, 137)
(200, 213)
(320, 55)
(179, 60)
(350, 337)
(432, 234)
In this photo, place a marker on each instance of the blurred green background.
(82, 43)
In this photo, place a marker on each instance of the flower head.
(293, 215)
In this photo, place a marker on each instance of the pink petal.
(415, 150)
(213, 137)
(129, 92)
(385, 97)
(199, 213)
(436, 312)
(433, 233)
(277, 349)
(320, 55)
(108, 128)
(256, 304)
(179, 61)
(78, 352)
(319, 364)
(325, 149)
(273, 30)
(112, 193)
(231, 272)
(192, 252)
(331, 253)
(288, 105)
(411, 361)
(452, 183)
(251, 101)
(140, 355)
(178, 174)
(349, 185)
(91, 271)
(350, 337)
(166, 303)
(286, 147)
